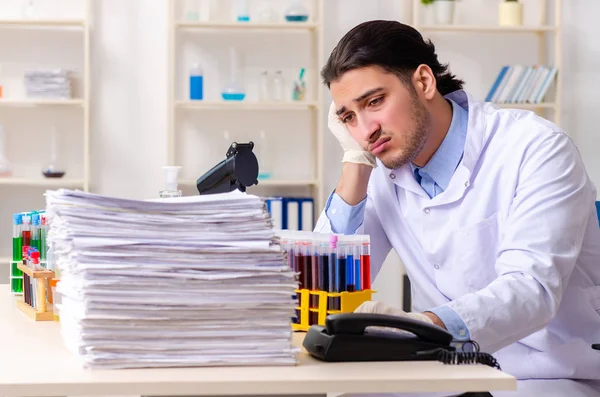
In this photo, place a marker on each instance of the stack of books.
(520, 84)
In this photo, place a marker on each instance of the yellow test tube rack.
(349, 301)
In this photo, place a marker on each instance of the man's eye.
(375, 102)
(347, 119)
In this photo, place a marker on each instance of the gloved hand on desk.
(353, 152)
(382, 308)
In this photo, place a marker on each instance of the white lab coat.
(512, 245)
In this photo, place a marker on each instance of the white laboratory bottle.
(278, 86)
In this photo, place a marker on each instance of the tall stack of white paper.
(192, 281)
(52, 83)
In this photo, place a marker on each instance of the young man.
(490, 210)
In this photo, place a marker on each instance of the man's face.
(382, 114)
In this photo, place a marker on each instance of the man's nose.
(369, 129)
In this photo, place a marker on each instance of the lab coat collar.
(477, 136)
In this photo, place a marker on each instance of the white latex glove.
(353, 152)
(382, 308)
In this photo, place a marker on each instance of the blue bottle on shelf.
(196, 83)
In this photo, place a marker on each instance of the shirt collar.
(444, 161)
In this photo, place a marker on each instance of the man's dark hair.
(391, 45)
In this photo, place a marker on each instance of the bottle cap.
(17, 219)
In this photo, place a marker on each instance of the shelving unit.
(312, 106)
(82, 26)
(544, 29)
(74, 109)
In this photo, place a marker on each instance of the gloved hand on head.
(382, 308)
(353, 152)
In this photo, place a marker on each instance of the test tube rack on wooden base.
(43, 311)
(348, 302)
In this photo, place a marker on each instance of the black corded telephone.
(346, 337)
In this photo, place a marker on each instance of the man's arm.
(542, 238)
(359, 219)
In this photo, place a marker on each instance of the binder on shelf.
(520, 84)
(291, 213)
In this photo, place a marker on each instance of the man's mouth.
(379, 146)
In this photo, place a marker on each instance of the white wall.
(129, 111)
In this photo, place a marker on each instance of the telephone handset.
(360, 337)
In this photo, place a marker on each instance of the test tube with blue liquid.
(350, 277)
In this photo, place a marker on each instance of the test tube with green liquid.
(16, 276)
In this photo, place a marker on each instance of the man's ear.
(424, 82)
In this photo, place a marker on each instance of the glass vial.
(264, 92)
(278, 86)
(196, 82)
(192, 10)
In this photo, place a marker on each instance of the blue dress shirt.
(434, 178)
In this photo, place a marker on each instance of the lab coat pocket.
(474, 254)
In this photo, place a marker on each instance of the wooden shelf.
(30, 102)
(247, 25)
(50, 182)
(246, 105)
(527, 106)
(42, 23)
(268, 182)
(487, 29)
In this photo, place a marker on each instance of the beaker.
(296, 12)
(234, 90)
(53, 169)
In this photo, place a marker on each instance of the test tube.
(35, 231)
(357, 249)
(17, 237)
(299, 262)
(43, 247)
(324, 251)
(333, 303)
(341, 265)
(315, 271)
(26, 230)
(350, 278)
(365, 262)
(16, 281)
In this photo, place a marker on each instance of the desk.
(34, 362)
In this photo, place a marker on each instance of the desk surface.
(34, 362)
